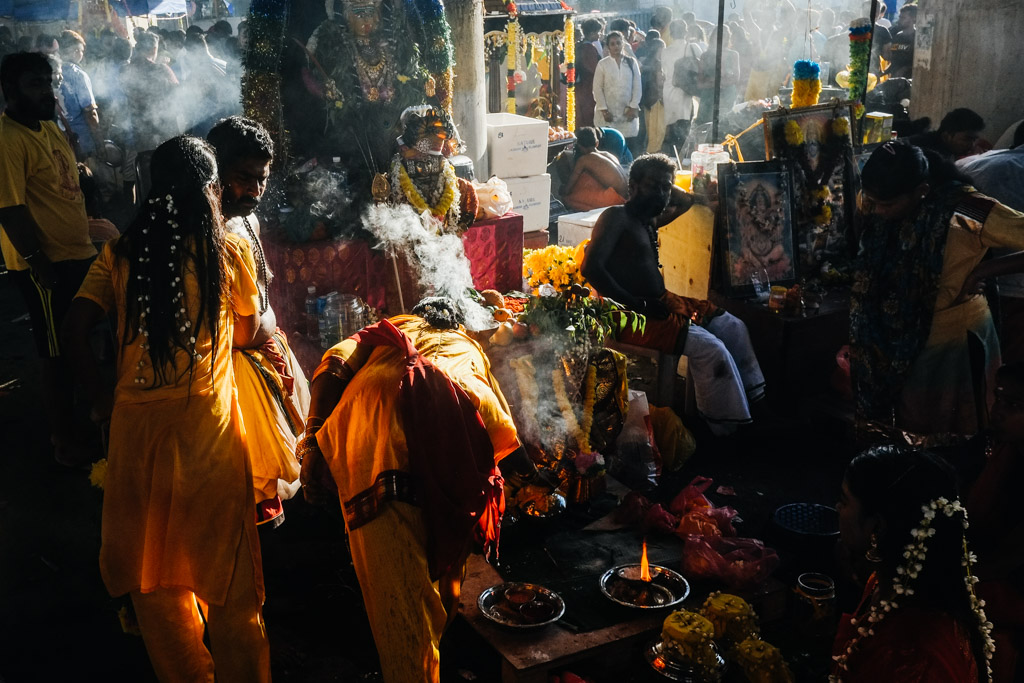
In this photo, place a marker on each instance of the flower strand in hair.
(914, 555)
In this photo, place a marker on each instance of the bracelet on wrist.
(31, 256)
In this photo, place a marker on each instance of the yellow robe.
(177, 494)
(362, 438)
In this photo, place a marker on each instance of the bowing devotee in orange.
(407, 422)
(178, 530)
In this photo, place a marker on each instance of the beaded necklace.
(261, 265)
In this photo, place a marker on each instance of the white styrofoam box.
(573, 228)
(531, 196)
(517, 146)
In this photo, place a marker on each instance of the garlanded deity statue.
(366, 66)
(421, 174)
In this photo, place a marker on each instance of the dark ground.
(57, 623)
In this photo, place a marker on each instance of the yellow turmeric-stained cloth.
(177, 493)
(362, 438)
(274, 411)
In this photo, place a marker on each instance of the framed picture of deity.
(817, 142)
(756, 235)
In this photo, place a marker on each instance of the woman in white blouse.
(617, 90)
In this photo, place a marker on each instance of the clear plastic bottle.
(760, 291)
(330, 332)
(312, 315)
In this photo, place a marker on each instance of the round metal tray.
(670, 667)
(662, 577)
(495, 606)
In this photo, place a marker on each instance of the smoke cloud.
(439, 261)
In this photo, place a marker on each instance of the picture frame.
(824, 179)
(756, 233)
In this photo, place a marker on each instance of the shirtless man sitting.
(621, 262)
(597, 179)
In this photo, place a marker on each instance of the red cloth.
(450, 455)
(911, 645)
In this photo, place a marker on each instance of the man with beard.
(272, 391)
(45, 230)
(622, 263)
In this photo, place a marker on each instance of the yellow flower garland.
(806, 92)
(589, 396)
(570, 86)
(840, 126)
(568, 414)
(528, 392)
(512, 50)
(794, 135)
(448, 197)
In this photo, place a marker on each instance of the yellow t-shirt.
(37, 169)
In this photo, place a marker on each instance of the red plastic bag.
(692, 497)
(736, 562)
(660, 519)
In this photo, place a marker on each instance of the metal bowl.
(662, 661)
(663, 580)
(521, 605)
(556, 506)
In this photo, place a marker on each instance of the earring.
(871, 554)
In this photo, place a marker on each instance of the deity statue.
(421, 174)
(365, 66)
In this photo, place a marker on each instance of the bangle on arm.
(306, 445)
(31, 256)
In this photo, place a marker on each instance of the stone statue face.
(363, 18)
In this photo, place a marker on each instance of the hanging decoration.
(860, 56)
(806, 83)
(512, 47)
(570, 74)
(261, 83)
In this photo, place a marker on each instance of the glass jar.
(777, 299)
(815, 605)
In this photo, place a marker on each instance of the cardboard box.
(517, 146)
(573, 228)
(531, 196)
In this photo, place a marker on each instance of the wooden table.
(528, 656)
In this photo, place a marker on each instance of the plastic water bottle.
(312, 315)
(760, 290)
(330, 332)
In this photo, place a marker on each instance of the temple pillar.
(469, 99)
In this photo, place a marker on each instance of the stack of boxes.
(517, 147)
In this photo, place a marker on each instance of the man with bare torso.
(597, 179)
(622, 263)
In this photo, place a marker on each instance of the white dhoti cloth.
(725, 373)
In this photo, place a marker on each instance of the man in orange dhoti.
(179, 530)
(411, 423)
(272, 391)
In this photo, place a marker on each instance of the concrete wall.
(970, 53)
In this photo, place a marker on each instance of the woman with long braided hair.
(178, 529)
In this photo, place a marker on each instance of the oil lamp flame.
(645, 567)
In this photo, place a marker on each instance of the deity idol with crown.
(365, 65)
(423, 177)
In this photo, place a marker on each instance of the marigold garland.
(512, 49)
(587, 419)
(840, 127)
(570, 74)
(565, 408)
(860, 55)
(448, 197)
(794, 134)
(806, 83)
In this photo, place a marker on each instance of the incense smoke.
(439, 261)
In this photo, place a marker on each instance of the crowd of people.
(653, 85)
(119, 97)
(185, 288)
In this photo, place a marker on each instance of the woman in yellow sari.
(179, 522)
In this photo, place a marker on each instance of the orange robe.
(362, 438)
(178, 490)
